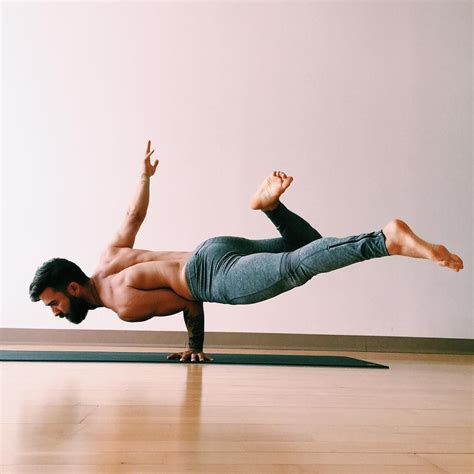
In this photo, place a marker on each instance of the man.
(141, 284)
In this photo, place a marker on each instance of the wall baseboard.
(239, 340)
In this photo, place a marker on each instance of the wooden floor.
(416, 417)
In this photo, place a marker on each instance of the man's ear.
(74, 288)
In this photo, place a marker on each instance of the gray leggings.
(235, 270)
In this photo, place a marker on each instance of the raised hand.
(148, 168)
(189, 355)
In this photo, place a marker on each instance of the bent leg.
(293, 228)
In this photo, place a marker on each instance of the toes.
(458, 263)
(287, 182)
(452, 264)
(279, 174)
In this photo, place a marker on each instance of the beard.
(78, 309)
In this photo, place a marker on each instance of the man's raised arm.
(136, 213)
(139, 205)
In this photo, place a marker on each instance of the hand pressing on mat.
(189, 355)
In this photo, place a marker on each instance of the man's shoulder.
(111, 252)
(109, 258)
(115, 259)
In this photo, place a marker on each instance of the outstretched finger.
(176, 355)
(203, 357)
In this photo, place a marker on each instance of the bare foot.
(401, 240)
(267, 195)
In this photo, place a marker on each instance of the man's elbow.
(130, 318)
(194, 308)
(135, 215)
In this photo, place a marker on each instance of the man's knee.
(293, 270)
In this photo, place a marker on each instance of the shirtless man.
(141, 284)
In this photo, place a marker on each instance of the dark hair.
(56, 273)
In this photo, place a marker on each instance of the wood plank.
(104, 417)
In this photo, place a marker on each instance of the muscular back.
(139, 284)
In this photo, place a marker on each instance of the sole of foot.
(266, 198)
(401, 240)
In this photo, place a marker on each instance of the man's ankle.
(272, 208)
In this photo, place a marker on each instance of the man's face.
(67, 306)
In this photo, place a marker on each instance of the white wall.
(368, 105)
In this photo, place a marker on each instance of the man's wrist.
(196, 349)
(195, 326)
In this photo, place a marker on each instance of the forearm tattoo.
(195, 326)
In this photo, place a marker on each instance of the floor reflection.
(61, 411)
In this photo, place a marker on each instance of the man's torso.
(123, 271)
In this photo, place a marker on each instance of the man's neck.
(91, 294)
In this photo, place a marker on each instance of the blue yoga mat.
(160, 357)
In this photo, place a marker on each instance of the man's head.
(58, 283)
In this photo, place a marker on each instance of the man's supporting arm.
(194, 320)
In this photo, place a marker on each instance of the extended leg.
(223, 271)
(257, 277)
